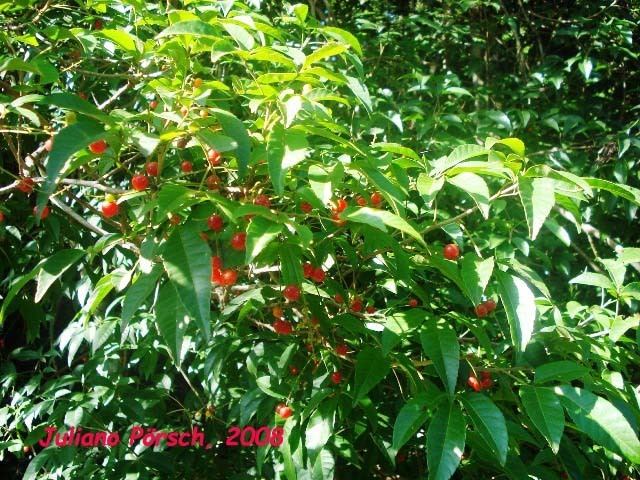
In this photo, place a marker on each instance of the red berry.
(182, 142)
(314, 321)
(214, 157)
(1, 216)
(238, 241)
(481, 310)
(228, 277)
(473, 382)
(335, 217)
(140, 182)
(401, 458)
(291, 293)
(491, 305)
(262, 200)
(376, 199)
(484, 375)
(282, 327)
(340, 205)
(215, 223)
(318, 275)
(283, 411)
(356, 305)
(26, 185)
(361, 201)
(44, 214)
(98, 147)
(371, 309)
(413, 302)
(213, 182)
(277, 312)
(186, 166)
(336, 377)
(97, 24)
(175, 219)
(486, 383)
(342, 349)
(153, 104)
(109, 209)
(451, 251)
(197, 82)
(307, 270)
(48, 145)
(293, 370)
(306, 207)
(338, 298)
(152, 169)
(216, 263)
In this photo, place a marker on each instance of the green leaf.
(544, 409)
(242, 37)
(187, 260)
(616, 271)
(410, 418)
(286, 148)
(260, 233)
(538, 198)
(319, 428)
(562, 370)
(620, 325)
(445, 441)
(145, 142)
(371, 368)
(53, 267)
(301, 11)
(326, 51)
(170, 314)
(320, 183)
(69, 140)
(69, 101)
(324, 466)
(476, 187)
(396, 148)
(458, 155)
(138, 293)
(290, 261)
(600, 420)
(381, 219)
(197, 28)
(629, 255)
(520, 307)
(343, 36)
(15, 288)
(128, 42)
(623, 191)
(360, 91)
(593, 279)
(515, 144)
(440, 344)
(489, 423)
(428, 187)
(475, 273)
(234, 128)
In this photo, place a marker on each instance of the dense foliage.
(401, 231)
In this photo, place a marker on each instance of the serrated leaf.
(328, 50)
(371, 368)
(476, 187)
(359, 89)
(445, 441)
(600, 420)
(520, 307)
(410, 418)
(544, 409)
(538, 198)
(187, 260)
(197, 28)
(592, 279)
(233, 127)
(475, 273)
(260, 233)
(396, 148)
(489, 423)
(458, 155)
(53, 267)
(623, 191)
(381, 219)
(440, 344)
(562, 370)
(285, 149)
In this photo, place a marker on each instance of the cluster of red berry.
(484, 383)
